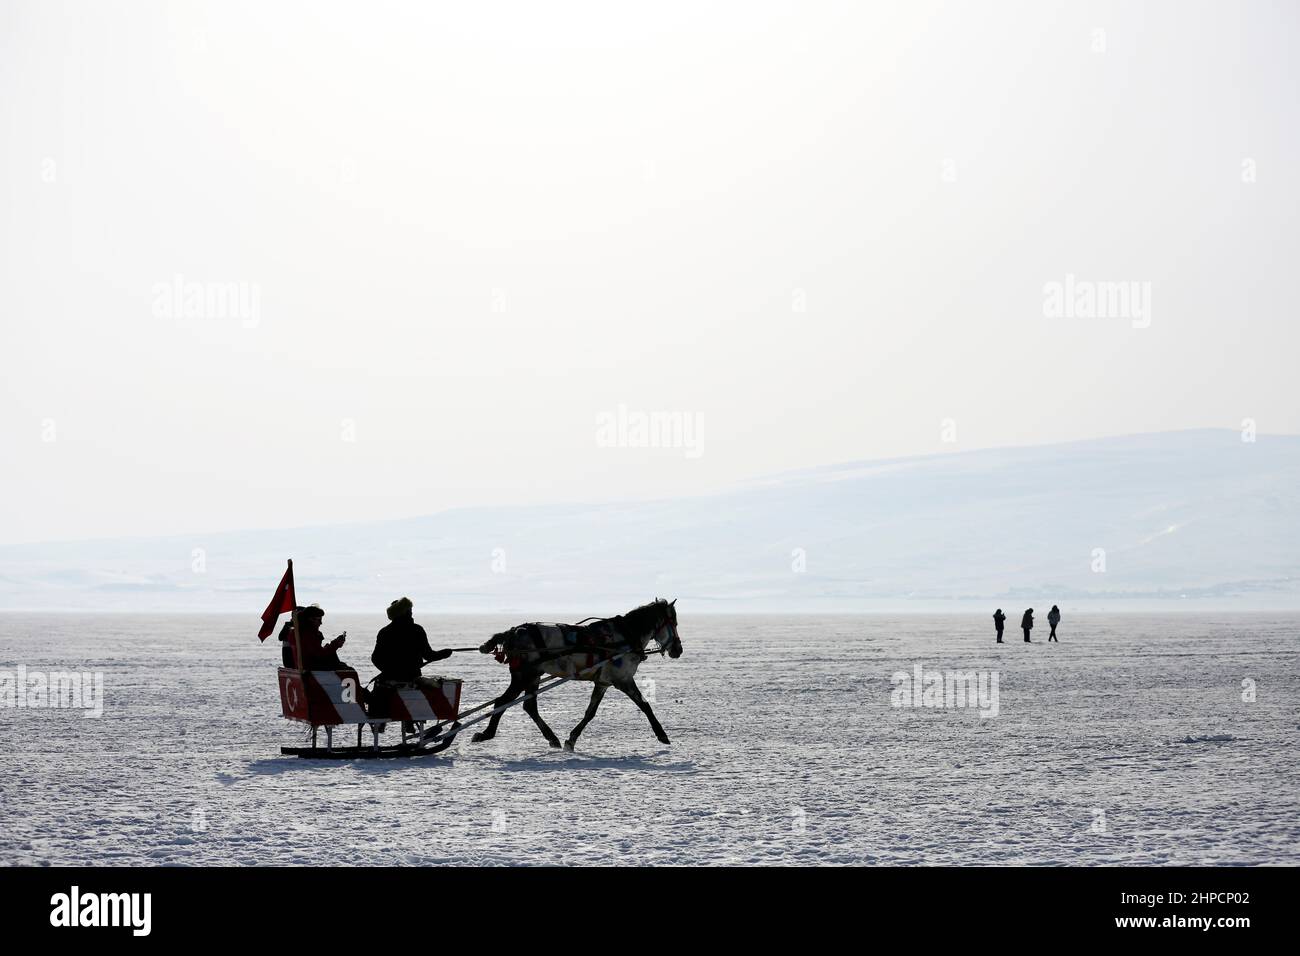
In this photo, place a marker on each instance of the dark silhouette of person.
(316, 654)
(999, 619)
(286, 644)
(1053, 618)
(402, 647)
(1027, 624)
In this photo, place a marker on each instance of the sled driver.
(402, 647)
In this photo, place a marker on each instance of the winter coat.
(402, 648)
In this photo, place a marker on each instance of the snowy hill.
(1196, 515)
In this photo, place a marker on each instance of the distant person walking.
(999, 619)
(1053, 618)
(1027, 624)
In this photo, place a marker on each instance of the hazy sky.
(460, 233)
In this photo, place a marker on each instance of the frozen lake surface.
(1129, 742)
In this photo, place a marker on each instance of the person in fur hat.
(402, 647)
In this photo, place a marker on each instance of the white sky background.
(647, 188)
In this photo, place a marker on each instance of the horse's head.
(657, 622)
(672, 640)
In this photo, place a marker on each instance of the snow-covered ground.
(1129, 742)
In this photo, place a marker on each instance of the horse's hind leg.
(597, 692)
(530, 707)
(517, 685)
(634, 693)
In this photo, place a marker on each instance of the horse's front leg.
(517, 685)
(530, 707)
(597, 692)
(629, 687)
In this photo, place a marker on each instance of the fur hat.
(402, 607)
(314, 611)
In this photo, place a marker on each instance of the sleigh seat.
(426, 699)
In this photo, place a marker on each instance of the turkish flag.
(284, 600)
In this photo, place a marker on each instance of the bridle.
(665, 633)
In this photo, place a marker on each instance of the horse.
(606, 652)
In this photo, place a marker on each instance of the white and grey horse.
(606, 652)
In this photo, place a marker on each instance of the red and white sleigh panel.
(321, 698)
(430, 698)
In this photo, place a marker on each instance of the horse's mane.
(640, 620)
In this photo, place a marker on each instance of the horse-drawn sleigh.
(331, 699)
(541, 657)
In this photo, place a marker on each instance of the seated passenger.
(316, 654)
(286, 644)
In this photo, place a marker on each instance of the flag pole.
(293, 615)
